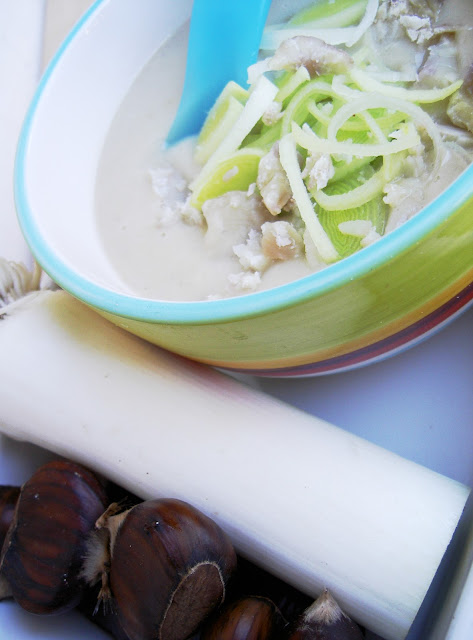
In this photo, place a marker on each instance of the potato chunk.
(314, 54)
(272, 182)
(230, 218)
(281, 240)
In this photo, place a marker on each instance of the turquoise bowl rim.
(229, 309)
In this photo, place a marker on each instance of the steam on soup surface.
(348, 142)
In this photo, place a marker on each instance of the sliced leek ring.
(235, 173)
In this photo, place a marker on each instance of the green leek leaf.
(374, 211)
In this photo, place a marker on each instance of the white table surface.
(418, 403)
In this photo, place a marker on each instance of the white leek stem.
(312, 503)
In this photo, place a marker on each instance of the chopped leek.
(265, 138)
(292, 83)
(219, 121)
(344, 165)
(234, 173)
(373, 100)
(365, 23)
(421, 96)
(259, 100)
(298, 107)
(314, 144)
(288, 157)
(330, 13)
(353, 133)
(274, 35)
(359, 195)
(374, 211)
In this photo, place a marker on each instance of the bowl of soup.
(217, 257)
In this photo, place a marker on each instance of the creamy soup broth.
(155, 260)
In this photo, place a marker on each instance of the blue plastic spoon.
(224, 40)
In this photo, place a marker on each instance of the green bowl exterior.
(376, 306)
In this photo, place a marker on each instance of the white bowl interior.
(70, 118)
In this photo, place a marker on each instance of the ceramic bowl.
(373, 304)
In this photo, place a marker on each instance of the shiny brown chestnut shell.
(248, 618)
(169, 570)
(8, 499)
(43, 551)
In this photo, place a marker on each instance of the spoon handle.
(224, 40)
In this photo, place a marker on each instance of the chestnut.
(43, 550)
(8, 498)
(254, 580)
(104, 617)
(325, 620)
(169, 568)
(248, 618)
